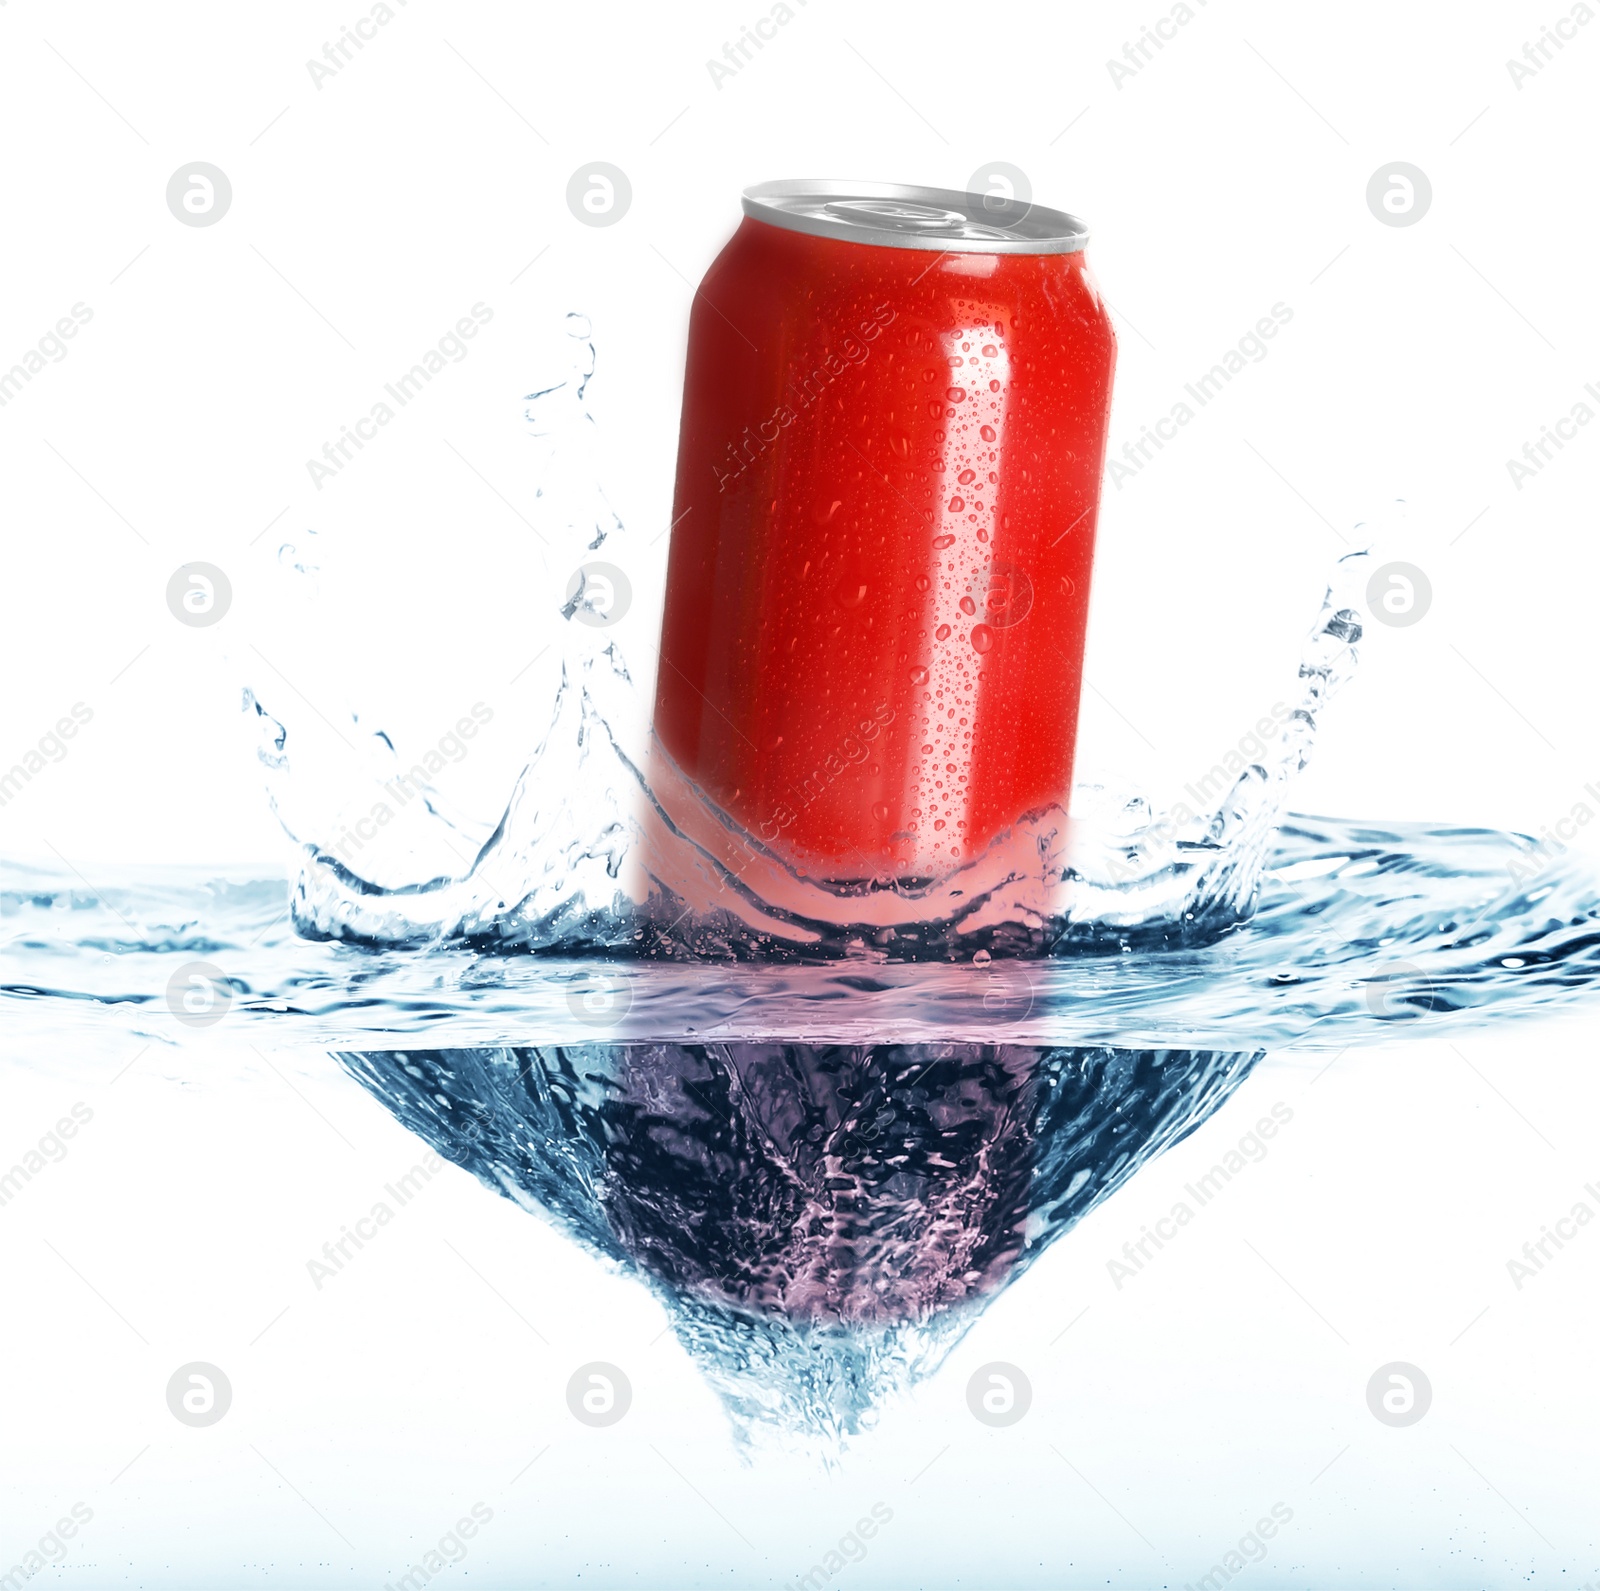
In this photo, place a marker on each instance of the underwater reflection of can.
(894, 424)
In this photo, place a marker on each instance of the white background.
(1229, 174)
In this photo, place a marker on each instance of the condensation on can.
(894, 426)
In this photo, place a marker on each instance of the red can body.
(877, 592)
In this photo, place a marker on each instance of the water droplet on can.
(982, 638)
(919, 675)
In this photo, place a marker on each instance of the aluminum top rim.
(898, 216)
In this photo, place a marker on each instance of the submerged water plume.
(821, 1222)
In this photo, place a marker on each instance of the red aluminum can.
(894, 426)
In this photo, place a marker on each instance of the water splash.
(603, 849)
(1215, 926)
(827, 1124)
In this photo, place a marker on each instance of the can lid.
(896, 216)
